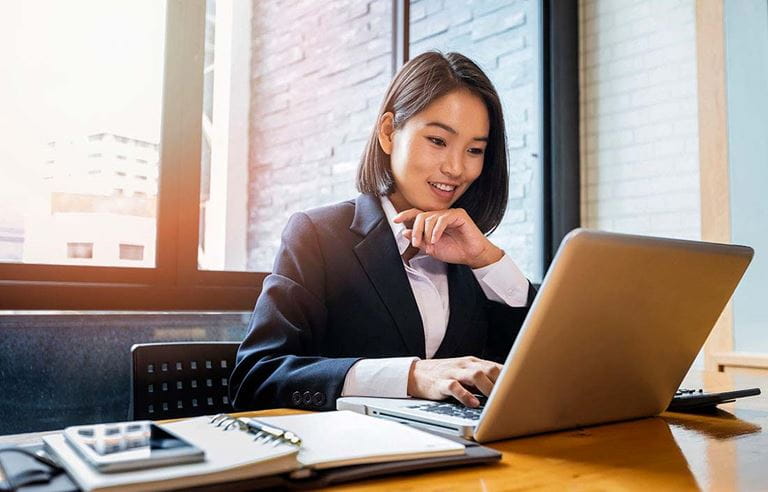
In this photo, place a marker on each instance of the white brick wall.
(639, 127)
(319, 72)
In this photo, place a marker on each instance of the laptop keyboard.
(453, 409)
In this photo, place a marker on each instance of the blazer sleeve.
(277, 364)
(504, 325)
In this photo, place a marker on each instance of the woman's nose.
(453, 165)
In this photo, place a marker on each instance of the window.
(263, 113)
(11, 242)
(67, 87)
(131, 252)
(80, 250)
(746, 67)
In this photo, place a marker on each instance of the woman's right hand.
(437, 379)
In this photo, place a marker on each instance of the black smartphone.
(130, 446)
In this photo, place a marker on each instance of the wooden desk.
(726, 450)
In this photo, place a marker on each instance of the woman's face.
(437, 153)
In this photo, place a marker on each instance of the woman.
(398, 292)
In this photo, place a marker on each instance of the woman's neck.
(399, 202)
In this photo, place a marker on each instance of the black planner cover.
(17, 465)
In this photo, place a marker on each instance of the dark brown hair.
(422, 80)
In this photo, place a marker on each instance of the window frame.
(560, 124)
(176, 283)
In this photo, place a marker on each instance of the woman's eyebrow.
(451, 130)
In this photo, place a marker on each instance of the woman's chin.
(434, 207)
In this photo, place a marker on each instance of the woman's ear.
(386, 128)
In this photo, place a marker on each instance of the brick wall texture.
(639, 128)
(319, 72)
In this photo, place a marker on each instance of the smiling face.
(438, 153)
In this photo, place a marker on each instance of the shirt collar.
(397, 229)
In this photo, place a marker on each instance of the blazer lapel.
(463, 301)
(378, 255)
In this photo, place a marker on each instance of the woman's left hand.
(449, 235)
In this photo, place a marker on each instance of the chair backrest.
(181, 379)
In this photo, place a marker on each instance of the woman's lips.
(442, 194)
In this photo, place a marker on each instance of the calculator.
(697, 399)
(126, 446)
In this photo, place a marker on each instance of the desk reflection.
(724, 450)
(642, 453)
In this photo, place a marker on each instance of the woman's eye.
(476, 151)
(436, 141)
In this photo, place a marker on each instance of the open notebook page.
(341, 438)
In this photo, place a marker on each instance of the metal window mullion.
(560, 124)
(401, 20)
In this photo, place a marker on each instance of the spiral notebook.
(328, 440)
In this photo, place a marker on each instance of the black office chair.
(181, 379)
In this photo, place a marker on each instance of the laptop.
(617, 323)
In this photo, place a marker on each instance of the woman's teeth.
(443, 187)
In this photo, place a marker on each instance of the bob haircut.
(419, 82)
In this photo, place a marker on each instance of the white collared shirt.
(388, 377)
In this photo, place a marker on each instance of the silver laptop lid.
(617, 322)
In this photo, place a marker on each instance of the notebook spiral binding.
(265, 433)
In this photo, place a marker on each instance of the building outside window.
(76, 130)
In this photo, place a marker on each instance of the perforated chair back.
(181, 379)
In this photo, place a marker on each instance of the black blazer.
(338, 293)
